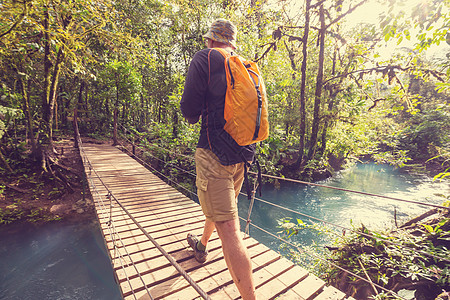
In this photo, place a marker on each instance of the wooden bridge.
(166, 216)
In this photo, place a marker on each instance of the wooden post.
(115, 142)
(84, 184)
(76, 133)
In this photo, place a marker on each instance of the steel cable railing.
(304, 251)
(161, 174)
(111, 227)
(386, 240)
(354, 231)
(202, 293)
(318, 219)
(304, 182)
(117, 253)
(356, 192)
(323, 221)
(166, 150)
(324, 260)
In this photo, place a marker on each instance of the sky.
(370, 12)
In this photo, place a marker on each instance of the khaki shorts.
(218, 186)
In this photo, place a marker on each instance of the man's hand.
(193, 120)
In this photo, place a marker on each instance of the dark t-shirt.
(204, 94)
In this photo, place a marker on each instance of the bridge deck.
(168, 216)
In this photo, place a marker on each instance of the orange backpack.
(245, 110)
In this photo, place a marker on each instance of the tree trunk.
(175, 125)
(26, 109)
(50, 85)
(56, 115)
(257, 7)
(76, 132)
(46, 111)
(318, 92)
(52, 98)
(107, 109)
(86, 99)
(326, 123)
(301, 150)
(64, 108)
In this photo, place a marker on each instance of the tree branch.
(318, 4)
(19, 20)
(346, 13)
(272, 45)
(17, 189)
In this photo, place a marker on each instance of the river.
(344, 208)
(55, 261)
(67, 261)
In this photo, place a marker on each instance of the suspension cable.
(113, 232)
(166, 163)
(321, 185)
(336, 188)
(111, 228)
(199, 290)
(161, 174)
(316, 256)
(352, 230)
(151, 145)
(248, 221)
(323, 259)
(163, 252)
(352, 191)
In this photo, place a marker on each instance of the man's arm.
(195, 88)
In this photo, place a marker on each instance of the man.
(219, 159)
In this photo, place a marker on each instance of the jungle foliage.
(332, 96)
(410, 260)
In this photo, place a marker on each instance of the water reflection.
(55, 261)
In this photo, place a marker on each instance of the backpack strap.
(222, 51)
(258, 93)
(258, 182)
(246, 181)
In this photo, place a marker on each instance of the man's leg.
(208, 229)
(236, 257)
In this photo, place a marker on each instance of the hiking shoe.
(200, 256)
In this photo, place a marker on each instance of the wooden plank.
(167, 215)
(309, 287)
(330, 293)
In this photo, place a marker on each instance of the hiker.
(219, 160)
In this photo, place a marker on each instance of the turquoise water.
(68, 261)
(55, 261)
(344, 208)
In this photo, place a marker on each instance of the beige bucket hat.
(222, 31)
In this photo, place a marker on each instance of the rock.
(59, 208)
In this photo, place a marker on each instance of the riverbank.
(28, 196)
